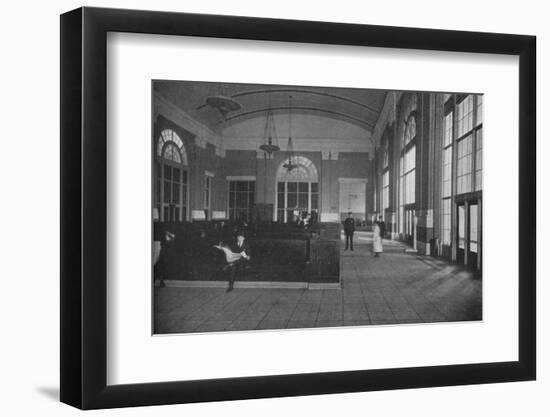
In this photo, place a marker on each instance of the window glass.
(241, 200)
(479, 117)
(464, 165)
(446, 172)
(473, 228)
(385, 190)
(479, 159)
(446, 222)
(461, 227)
(465, 117)
(448, 129)
(297, 190)
(171, 139)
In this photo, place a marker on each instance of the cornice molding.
(387, 116)
(203, 134)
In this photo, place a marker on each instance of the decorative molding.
(332, 154)
(387, 116)
(201, 141)
(166, 108)
(240, 178)
(352, 180)
(304, 144)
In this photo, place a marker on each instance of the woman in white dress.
(376, 240)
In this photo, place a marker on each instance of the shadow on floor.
(50, 392)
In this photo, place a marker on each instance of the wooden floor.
(395, 288)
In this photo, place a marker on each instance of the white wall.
(29, 302)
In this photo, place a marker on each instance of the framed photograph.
(257, 208)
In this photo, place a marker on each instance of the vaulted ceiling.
(359, 107)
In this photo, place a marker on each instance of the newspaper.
(230, 256)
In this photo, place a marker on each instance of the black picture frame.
(84, 206)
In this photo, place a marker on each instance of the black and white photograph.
(286, 207)
(269, 209)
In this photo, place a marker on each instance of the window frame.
(169, 138)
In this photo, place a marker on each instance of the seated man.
(160, 261)
(237, 256)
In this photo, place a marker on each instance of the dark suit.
(349, 229)
(238, 249)
(382, 226)
(239, 265)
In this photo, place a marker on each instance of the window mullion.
(286, 202)
(161, 191)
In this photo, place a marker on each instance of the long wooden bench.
(296, 257)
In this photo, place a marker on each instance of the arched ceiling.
(359, 107)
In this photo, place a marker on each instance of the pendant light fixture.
(223, 102)
(271, 142)
(289, 164)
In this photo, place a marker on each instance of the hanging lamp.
(223, 102)
(271, 143)
(289, 164)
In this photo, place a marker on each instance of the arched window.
(297, 190)
(171, 153)
(407, 172)
(171, 177)
(410, 129)
(173, 144)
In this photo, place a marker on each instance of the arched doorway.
(297, 190)
(171, 177)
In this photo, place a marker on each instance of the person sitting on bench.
(237, 256)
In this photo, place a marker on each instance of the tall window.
(410, 130)
(469, 144)
(464, 165)
(241, 199)
(297, 190)
(407, 172)
(446, 175)
(385, 155)
(479, 144)
(409, 175)
(462, 140)
(446, 221)
(465, 116)
(207, 195)
(385, 188)
(447, 159)
(171, 177)
(385, 192)
(479, 115)
(479, 159)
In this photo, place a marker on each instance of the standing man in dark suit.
(349, 228)
(241, 247)
(382, 226)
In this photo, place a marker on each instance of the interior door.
(410, 213)
(461, 233)
(473, 239)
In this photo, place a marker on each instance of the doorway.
(468, 233)
(409, 220)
